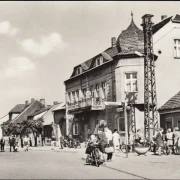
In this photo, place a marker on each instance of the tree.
(31, 126)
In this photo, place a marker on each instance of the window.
(177, 48)
(77, 94)
(169, 123)
(131, 82)
(97, 90)
(79, 70)
(99, 61)
(92, 91)
(84, 92)
(73, 96)
(178, 124)
(75, 129)
(104, 87)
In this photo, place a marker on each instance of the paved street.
(52, 165)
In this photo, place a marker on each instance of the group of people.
(13, 143)
(107, 141)
(171, 139)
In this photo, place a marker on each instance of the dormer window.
(79, 70)
(99, 61)
(177, 48)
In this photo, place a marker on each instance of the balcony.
(86, 104)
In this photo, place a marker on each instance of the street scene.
(90, 90)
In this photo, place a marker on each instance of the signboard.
(119, 109)
(112, 104)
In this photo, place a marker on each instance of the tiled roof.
(18, 108)
(131, 40)
(159, 25)
(176, 18)
(172, 103)
(41, 110)
(29, 111)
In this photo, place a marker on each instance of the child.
(16, 147)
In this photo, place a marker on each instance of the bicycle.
(165, 149)
(94, 156)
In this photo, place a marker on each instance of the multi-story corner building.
(117, 75)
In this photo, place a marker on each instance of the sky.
(41, 42)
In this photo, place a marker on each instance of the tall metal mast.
(150, 99)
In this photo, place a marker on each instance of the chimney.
(113, 41)
(27, 103)
(42, 101)
(56, 102)
(163, 17)
(32, 100)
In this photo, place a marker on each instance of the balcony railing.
(89, 102)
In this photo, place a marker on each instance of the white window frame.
(131, 80)
(92, 91)
(100, 59)
(98, 89)
(104, 88)
(79, 70)
(74, 132)
(176, 47)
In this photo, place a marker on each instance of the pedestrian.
(30, 142)
(169, 139)
(22, 142)
(116, 140)
(176, 136)
(109, 137)
(102, 139)
(2, 142)
(12, 142)
(62, 141)
(159, 140)
(25, 141)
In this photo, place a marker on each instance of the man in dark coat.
(159, 140)
(12, 142)
(2, 144)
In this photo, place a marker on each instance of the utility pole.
(150, 99)
(124, 104)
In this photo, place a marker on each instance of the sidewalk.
(50, 148)
(147, 167)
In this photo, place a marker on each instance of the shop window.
(177, 48)
(131, 82)
(75, 129)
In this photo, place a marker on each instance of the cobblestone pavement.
(36, 164)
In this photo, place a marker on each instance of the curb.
(54, 150)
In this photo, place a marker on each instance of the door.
(169, 124)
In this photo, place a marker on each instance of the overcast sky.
(41, 42)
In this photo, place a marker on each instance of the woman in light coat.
(116, 140)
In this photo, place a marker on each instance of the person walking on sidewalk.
(159, 140)
(12, 142)
(61, 142)
(26, 141)
(116, 140)
(102, 139)
(109, 136)
(2, 142)
(176, 136)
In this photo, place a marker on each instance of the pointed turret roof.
(131, 39)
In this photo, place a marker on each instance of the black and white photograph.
(89, 89)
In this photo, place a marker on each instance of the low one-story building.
(170, 113)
